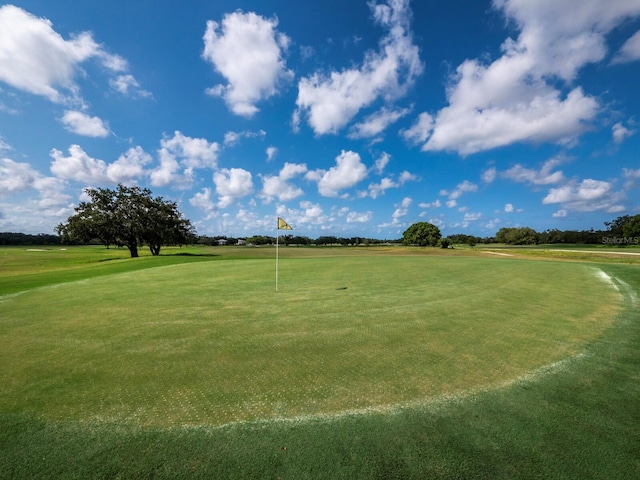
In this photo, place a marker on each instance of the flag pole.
(281, 225)
(277, 248)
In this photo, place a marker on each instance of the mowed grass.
(213, 343)
(366, 364)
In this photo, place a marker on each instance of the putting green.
(213, 343)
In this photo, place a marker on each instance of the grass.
(424, 366)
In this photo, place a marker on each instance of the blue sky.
(346, 118)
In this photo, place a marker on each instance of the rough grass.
(473, 391)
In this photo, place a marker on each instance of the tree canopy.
(127, 216)
(631, 229)
(423, 234)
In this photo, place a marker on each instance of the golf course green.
(353, 340)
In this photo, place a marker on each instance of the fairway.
(212, 343)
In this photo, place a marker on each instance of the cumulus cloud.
(435, 204)
(463, 187)
(31, 215)
(247, 51)
(231, 185)
(489, 175)
(349, 170)
(127, 85)
(402, 209)
(36, 59)
(204, 202)
(80, 167)
(508, 208)
(15, 177)
(632, 176)
(83, 124)
(520, 96)
(233, 138)
(377, 122)
(129, 167)
(586, 196)
(420, 130)
(271, 153)
(377, 189)
(630, 51)
(472, 217)
(620, 132)
(180, 156)
(544, 176)
(329, 102)
(279, 186)
(382, 162)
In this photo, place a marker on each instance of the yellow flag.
(282, 225)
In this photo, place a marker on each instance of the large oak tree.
(127, 216)
(423, 234)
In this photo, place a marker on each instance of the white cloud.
(377, 189)
(545, 176)
(355, 217)
(128, 86)
(402, 209)
(203, 201)
(248, 53)
(271, 153)
(464, 187)
(278, 186)
(435, 204)
(15, 177)
(630, 51)
(78, 166)
(232, 184)
(472, 217)
(4, 146)
(129, 166)
(382, 162)
(632, 176)
(406, 176)
(492, 224)
(508, 208)
(517, 98)
(560, 214)
(586, 196)
(233, 138)
(489, 175)
(349, 170)
(330, 102)
(29, 214)
(377, 122)
(620, 132)
(36, 59)
(83, 124)
(420, 130)
(180, 156)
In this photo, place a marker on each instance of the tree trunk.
(155, 249)
(133, 248)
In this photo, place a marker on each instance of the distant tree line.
(13, 238)
(624, 230)
(290, 240)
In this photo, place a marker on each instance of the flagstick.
(277, 247)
